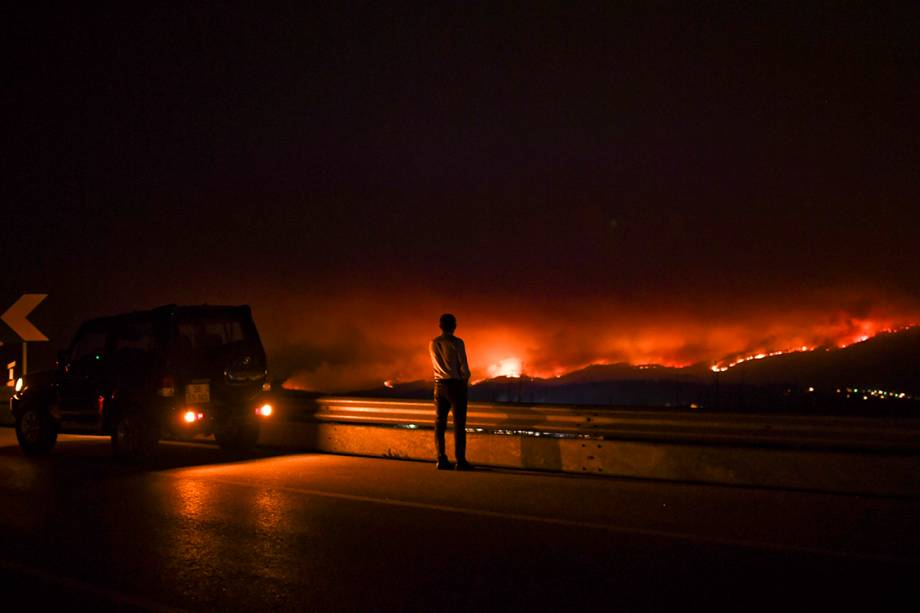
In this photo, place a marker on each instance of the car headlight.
(19, 385)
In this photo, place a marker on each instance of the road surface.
(197, 530)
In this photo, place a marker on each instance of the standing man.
(451, 373)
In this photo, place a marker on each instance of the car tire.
(239, 435)
(35, 431)
(134, 436)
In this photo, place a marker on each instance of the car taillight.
(191, 416)
(166, 388)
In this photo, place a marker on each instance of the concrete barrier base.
(824, 470)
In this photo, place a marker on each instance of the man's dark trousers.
(450, 393)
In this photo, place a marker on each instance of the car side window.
(89, 346)
(134, 338)
(132, 355)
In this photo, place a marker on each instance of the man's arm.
(433, 356)
(464, 365)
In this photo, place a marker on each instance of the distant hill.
(887, 361)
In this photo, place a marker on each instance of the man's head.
(448, 323)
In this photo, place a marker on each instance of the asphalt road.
(197, 530)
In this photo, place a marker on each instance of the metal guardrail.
(822, 432)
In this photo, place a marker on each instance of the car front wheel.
(35, 432)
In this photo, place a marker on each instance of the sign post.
(16, 317)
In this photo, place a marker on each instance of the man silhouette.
(451, 373)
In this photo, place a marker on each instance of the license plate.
(197, 393)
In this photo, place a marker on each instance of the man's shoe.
(444, 464)
(464, 465)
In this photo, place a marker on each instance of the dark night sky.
(644, 182)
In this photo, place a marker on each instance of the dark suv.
(174, 370)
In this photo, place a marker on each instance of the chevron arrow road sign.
(16, 317)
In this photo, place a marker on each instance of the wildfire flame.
(509, 367)
(551, 347)
(860, 338)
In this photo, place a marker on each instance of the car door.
(133, 359)
(83, 381)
